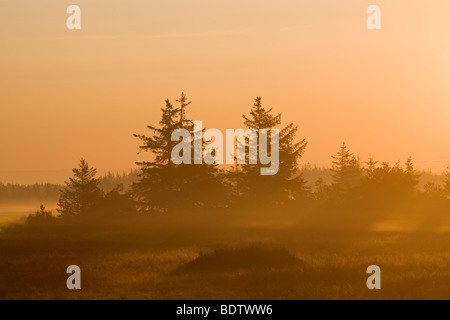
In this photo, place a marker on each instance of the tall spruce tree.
(346, 169)
(411, 175)
(167, 187)
(81, 192)
(183, 121)
(156, 189)
(288, 183)
(203, 185)
(371, 169)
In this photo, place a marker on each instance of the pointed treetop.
(260, 118)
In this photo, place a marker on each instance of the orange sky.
(70, 94)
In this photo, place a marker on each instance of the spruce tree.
(40, 216)
(156, 189)
(183, 121)
(346, 169)
(371, 169)
(202, 185)
(285, 185)
(411, 175)
(81, 192)
(167, 187)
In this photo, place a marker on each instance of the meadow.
(180, 258)
(7, 217)
(12, 215)
(237, 237)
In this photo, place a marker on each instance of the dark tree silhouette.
(166, 187)
(110, 181)
(156, 188)
(434, 190)
(346, 169)
(371, 169)
(39, 192)
(116, 204)
(288, 183)
(183, 121)
(411, 175)
(447, 180)
(81, 192)
(396, 180)
(321, 190)
(40, 216)
(202, 185)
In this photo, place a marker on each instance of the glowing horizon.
(72, 94)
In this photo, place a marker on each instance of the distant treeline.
(110, 181)
(49, 192)
(312, 173)
(16, 193)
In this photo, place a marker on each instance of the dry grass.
(145, 261)
(11, 217)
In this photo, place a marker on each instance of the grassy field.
(8, 217)
(167, 260)
(18, 212)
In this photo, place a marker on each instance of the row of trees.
(11, 193)
(14, 193)
(165, 187)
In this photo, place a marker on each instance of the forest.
(208, 231)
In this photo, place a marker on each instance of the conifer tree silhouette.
(411, 175)
(156, 189)
(81, 192)
(184, 122)
(346, 169)
(202, 185)
(40, 216)
(371, 169)
(164, 186)
(288, 183)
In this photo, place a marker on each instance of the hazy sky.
(70, 94)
